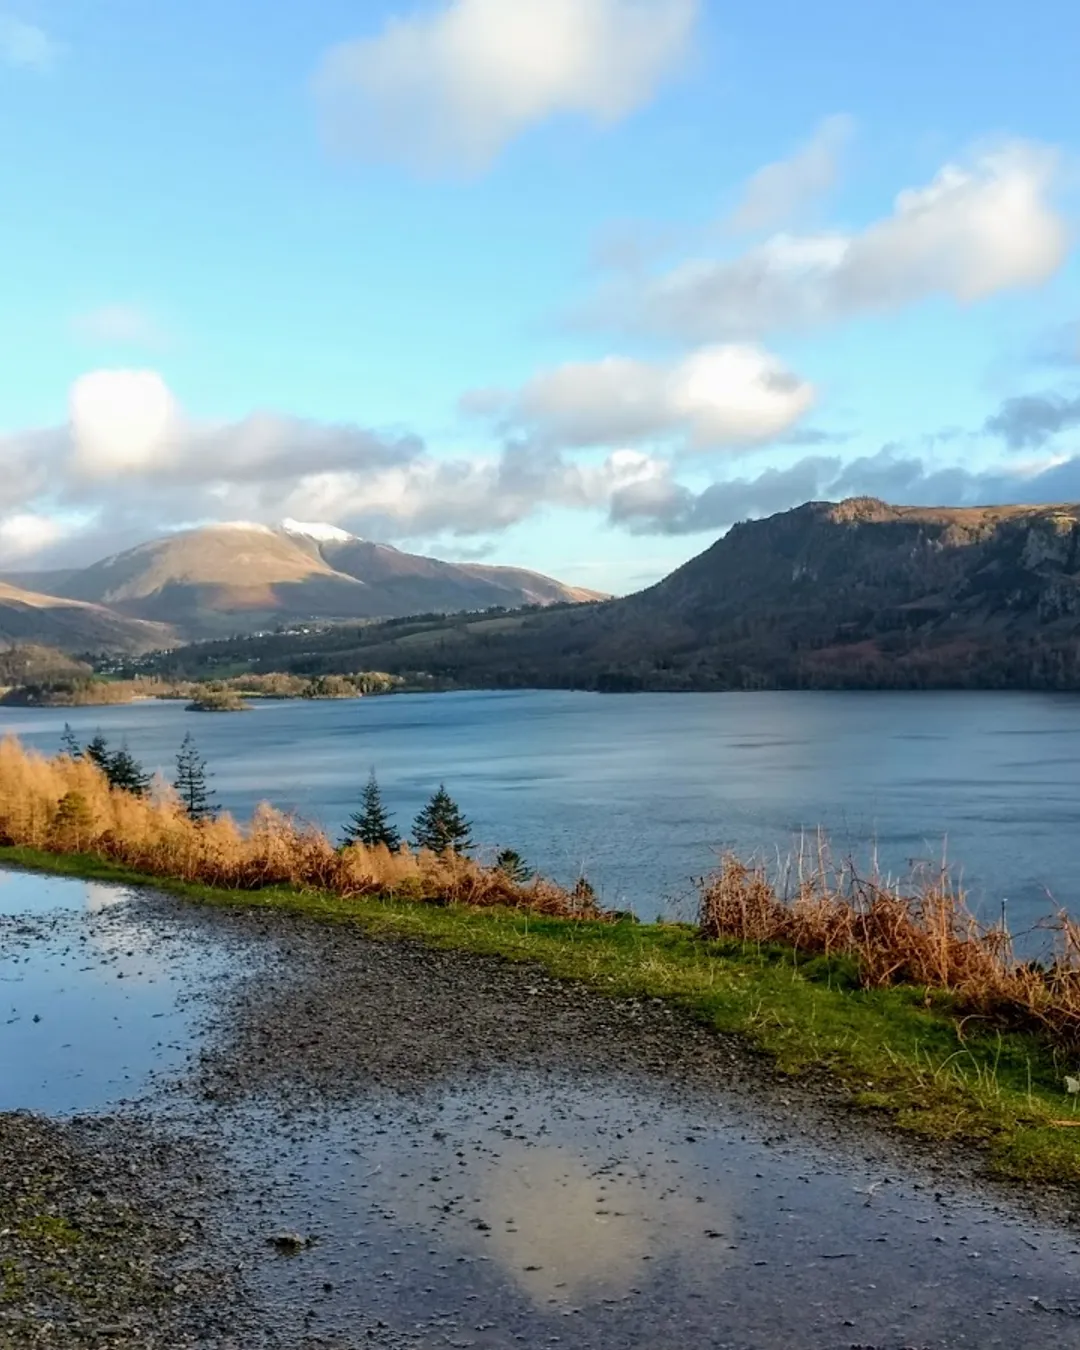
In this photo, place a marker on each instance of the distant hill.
(855, 594)
(27, 617)
(225, 579)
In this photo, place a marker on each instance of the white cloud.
(130, 464)
(450, 88)
(23, 535)
(974, 230)
(25, 45)
(119, 325)
(720, 396)
(781, 190)
(467, 496)
(122, 422)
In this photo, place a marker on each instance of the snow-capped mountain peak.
(320, 532)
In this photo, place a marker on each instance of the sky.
(567, 284)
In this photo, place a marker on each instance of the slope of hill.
(859, 594)
(73, 626)
(235, 578)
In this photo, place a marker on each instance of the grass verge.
(902, 1052)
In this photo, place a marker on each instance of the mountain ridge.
(854, 594)
(240, 576)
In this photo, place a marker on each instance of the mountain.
(855, 594)
(240, 578)
(27, 617)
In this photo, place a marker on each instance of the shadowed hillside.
(27, 617)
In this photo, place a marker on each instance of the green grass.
(902, 1053)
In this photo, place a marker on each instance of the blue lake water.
(641, 792)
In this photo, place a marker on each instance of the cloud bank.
(130, 463)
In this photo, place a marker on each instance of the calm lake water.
(641, 792)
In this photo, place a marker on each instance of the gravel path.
(472, 1154)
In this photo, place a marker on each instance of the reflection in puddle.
(565, 1230)
(545, 1210)
(93, 1000)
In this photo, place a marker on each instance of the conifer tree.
(126, 773)
(372, 824)
(441, 827)
(74, 821)
(98, 752)
(69, 744)
(190, 782)
(513, 864)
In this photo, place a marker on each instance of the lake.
(640, 792)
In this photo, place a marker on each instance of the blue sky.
(574, 284)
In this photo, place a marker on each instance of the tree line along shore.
(217, 695)
(899, 993)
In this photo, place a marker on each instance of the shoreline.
(901, 1055)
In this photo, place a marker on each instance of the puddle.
(546, 1212)
(96, 1004)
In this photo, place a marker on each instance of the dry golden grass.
(920, 933)
(62, 805)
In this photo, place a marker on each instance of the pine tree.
(190, 781)
(126, 773)
(74, 821)
(441, 827)
(513, 864)
(69, 744)
(97, 752)
(372, 825)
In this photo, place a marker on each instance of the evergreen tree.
(441, 827)
(190, 781)
(513, 864)
(372, 825)
(73, 823)
(126, 773)
(97, 752)
(69, 745)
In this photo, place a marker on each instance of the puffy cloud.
(127, 424)
(1032, 419)
(720, 396)
(122, 421)
(781, 190)
(976, 229)
(24, 44)
(450, 89)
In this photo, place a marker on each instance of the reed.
(919, 932)
(65, 805)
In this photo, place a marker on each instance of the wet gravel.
(370, 1143)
